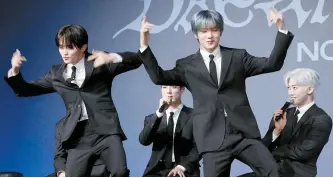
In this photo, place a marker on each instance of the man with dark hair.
(91, 128)
(223, 123)
(170, 130)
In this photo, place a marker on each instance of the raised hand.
(17, 61)
(101, 58)
(144, 32)
(277, 18)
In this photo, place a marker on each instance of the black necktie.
(296, 112)
(212, 69)
(72, 79)
(295, 119)
(168, 150)
(170, 125)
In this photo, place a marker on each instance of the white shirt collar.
(304, 108)
(216, 53)
(176, 110)
(79, 66)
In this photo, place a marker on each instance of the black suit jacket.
(185, 150)
(297, 150)
(95, 92)
(211, 100)
(60, 156)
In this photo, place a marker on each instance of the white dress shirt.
(302, 110)
(176, 114)
(80, 76)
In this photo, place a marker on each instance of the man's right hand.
(280, 124)
(144, 32)
(17, 61)
(161, 102)
(62, 174)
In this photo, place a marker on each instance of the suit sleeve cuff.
(11, 73)
(283, 31)
(181, 167)
(274, 137)
(143, 49)
(118, 59)
(159, 114)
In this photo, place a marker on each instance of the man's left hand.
(277, 18)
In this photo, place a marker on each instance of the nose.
(210, 34)
(169, 90)
(64, 51)
(290, 92)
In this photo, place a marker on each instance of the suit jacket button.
(79, 106)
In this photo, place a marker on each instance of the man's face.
(70, 53)
(172, 92)
(209, 38)
(299, 93)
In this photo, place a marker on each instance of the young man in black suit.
(170, 130)
(91, 127)
(223, 123)
(297, 139)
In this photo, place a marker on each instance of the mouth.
(210, 42)
(293, 98)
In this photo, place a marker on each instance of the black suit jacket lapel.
(305, 116)
(225, 63)
(182, 119)
(201, 66)
(89, 67)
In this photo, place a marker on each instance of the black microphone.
(284, 108)
(164, 107)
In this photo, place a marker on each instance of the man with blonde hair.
(297, 139)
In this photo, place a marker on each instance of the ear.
(310, 90)
(182, 89)
(84, 48)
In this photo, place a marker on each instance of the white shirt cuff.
(143, 49)
(119, 59)
(159, 114)
(11, 73)
(283, 31)
(181, 167)
(274, 137)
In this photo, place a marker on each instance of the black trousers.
(252, 152)
(86, 146)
